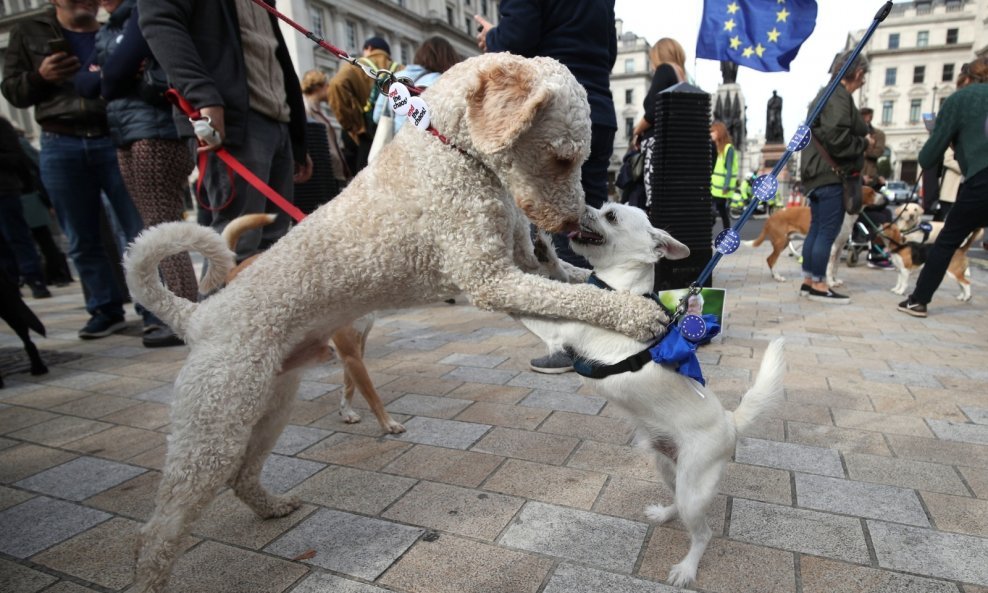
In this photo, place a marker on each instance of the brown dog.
(784, 223)
(908, 255)
(350, 342)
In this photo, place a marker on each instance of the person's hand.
(640, 128)
(485, 26)
(215, 115)
(303, 172)
(59, 67)
(871, 141)
(94, 68)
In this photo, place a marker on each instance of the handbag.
(850, 181)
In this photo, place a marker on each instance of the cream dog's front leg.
(514, 291)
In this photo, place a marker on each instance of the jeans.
(268, 154)
(826, 218)
(14, 229)
(593, 177)
(969, 213)
(75, 170)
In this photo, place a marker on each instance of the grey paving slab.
(900, 377)
(80, 478)
(484, 361)
(799, 530)
(861, 499)
(298, 438)
(354, 489)
(928, 552)
(606, 542)
(162, 395)
(310, 390)
(281, 473)
(472, 513)
(819, 575)
(564, 402)
(919, 475)
(318, 582)
(350, 544)
(428, 405)
(480, 375)
(81, 380)
(451, 434)
(571, 578)
(42, 522)
(958, 431)
(568, 382)
(976, 414)
(15, 578)
(793, 456)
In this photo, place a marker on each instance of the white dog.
(692, 436)
(437, 214)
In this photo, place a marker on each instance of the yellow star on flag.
(747, 52)
(773, 35)
(759, 50)
(732, 8)
(780, 1)
(782, 15)
(735, 42)
(729, 25)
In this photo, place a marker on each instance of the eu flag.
(760, 34)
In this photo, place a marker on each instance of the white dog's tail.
(767, 390)
(155, 244)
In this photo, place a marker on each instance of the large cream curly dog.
(424, 222)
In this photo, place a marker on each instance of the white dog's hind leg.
(696, 485)
(246, 483)
(656, 512)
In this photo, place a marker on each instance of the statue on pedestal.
(773, 121)
(729, 70)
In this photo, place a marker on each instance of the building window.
(887, 112)
(400, 3)
(315, 15)
(954, 5)
(890, 76)
(948, 73)
(914, 106)
(449, 15)
(406, 53)
(629, 127)
(919, 74)
(922, 39)
(893, 41)
(629, 66)
(629, 96)
(469, 21)
(483, 6)
(942, 99)
(924, 7)
(951, 36)
(351, 36)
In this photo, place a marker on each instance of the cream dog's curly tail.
(155, 244)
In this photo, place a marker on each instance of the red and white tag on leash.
(403, 103)
(399, 96)
(418, 113)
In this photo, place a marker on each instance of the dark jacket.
(198, 44)
(15, 168)
(843, 134)
(578, 33)
(130, 117)
(963, 121)
(663, 78)
(58, 107)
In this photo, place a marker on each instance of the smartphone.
(59, 45)
(929, 119)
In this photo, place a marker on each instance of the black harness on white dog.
(593, 369)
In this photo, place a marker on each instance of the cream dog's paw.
(644, 320)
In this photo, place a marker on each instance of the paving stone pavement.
(872, 476)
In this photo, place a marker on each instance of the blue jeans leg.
(74, 171)
(15, 230)
(827, 215)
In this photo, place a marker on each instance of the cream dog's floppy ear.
(503, 105)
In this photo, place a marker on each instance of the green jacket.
(962, 121)
(843, 134)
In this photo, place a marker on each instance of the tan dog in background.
(786, 222)
(350, 341)
(908, 255)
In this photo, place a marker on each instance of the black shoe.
(910, 308)
(828, 296)
(38, 289)
(804, 290)
(160, 337)
(101, 325)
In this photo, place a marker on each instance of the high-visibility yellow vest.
(724, 178)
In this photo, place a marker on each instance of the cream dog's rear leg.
(246, 483)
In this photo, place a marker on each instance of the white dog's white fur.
(691, 434)
(425, 222)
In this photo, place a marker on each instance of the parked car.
(898, 192)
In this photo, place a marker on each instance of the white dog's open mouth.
(586, 237)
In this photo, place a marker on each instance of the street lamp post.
(933, 108)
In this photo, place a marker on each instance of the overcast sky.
(680, 19)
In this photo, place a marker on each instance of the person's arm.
(664, 77)
(124, 65)
(11, 156)
(877, 150)
(520, 29)
(23, 85)
(836, 134)
(944, 132)
(87, 79)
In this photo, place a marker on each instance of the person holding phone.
(78, 159)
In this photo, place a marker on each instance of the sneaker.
(101, 325)
(161, 337)
(828, 296)
(915, 309)
(39, 290)
(555, 363)
(880, 264)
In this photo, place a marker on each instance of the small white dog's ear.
(503, 104)
(664, 246)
